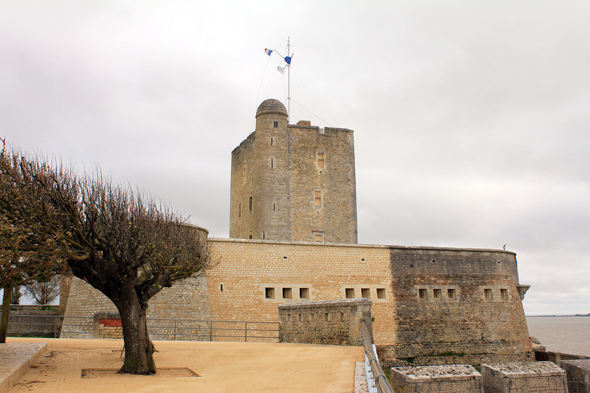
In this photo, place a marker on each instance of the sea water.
(562, 334)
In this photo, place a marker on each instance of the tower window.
(320, 160)
(437, 294)
(275, 124)
(271, 141)
(274, 207)
(263, 235)
(504, 294)
(269, 293)
(304, 293)
(318, 237)
(423, 293)
(366, 292)
(488, 294)
(380, 293)
(287, 293)
(451, 294)
(250, 204)
(318, 198)
(272, 163)
(350, 293)
(239, 210)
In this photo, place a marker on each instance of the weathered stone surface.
(538, 377)
(578, 375)
(336, 322)
(460, 378)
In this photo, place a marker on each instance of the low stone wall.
(437, 379)
(336, 322)
(34, 320)
(538, 377)
(541, 355)
(107, 325)
(578, 375)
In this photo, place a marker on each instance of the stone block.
(458, 378)
(578, 375)
(537, 377)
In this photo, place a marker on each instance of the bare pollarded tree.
(118, 240)
(43, 292)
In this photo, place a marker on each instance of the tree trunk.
(139, 349)
(5, 311)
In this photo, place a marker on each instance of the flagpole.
(288, 80)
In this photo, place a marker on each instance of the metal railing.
(383, 385)
(159, 328)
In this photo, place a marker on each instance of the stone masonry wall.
(471, 311)
(336, 322)
(185, 300)
(456, 306)
(255, 277)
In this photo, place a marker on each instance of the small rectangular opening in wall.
(318, 198)
(272, 163)
(350, 293)
(269, 293)
(312, 317)
(239, 210)
(451, 294)
(423, 293)
(326, 317)
(320, 160)
(318, 237)
(275, 124)
(341, 317)
(366, 292)
(287, 293)
(304, 293)
(437, 294)
(300, 317)
(274, 207)
(488, 294)
(271, 141)
(250, 204)
(380, 293)
(504, 294)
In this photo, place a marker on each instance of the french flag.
(268, 51)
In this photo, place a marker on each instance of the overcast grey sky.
(471, 118)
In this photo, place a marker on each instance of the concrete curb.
(18, 357)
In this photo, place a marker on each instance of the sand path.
(223, 367)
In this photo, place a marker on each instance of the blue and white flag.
(281, 69)
(268, 51)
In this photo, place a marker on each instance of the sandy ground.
(223, 367)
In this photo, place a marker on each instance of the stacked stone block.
(460, 378)
(538, 377)
(578, 375)
(335, 322)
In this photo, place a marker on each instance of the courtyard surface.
(222, 367)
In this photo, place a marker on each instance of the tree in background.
(15, 295)
(119, 241)
(44, 292)
(26, 252)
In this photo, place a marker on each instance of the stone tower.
(293, 182)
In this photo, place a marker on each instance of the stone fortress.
(293, 235)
